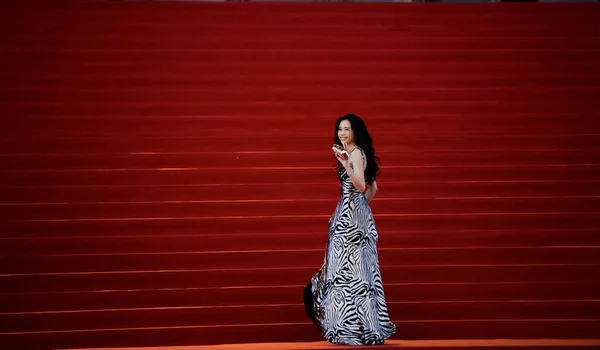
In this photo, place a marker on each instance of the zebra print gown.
(345, 298)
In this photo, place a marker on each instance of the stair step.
(291, 158)
(292, 257)
(302, 223)
(190, 239)
(435, 85)
(217, 129)
(244, 95)
(303, 332)
(474, 67)
(294, 313)
(248, 295)
(243, 175)
(138, 40)
(87, 281)
(293, 207)
(454, 344)
(278, 108)
(18, 143)
(450, 25)
(388, 191)
(195, 55)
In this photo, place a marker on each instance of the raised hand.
(343, 158)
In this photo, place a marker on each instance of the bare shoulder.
(357, 150)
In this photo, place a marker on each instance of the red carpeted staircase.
(166, 177)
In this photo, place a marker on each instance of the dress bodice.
(346, 183)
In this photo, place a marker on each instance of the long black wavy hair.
(363, 140)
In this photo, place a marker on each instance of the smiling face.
(345, 133)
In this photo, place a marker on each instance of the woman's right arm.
(371, 191)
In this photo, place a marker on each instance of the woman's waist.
(352, 193)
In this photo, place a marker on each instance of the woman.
(345, 298)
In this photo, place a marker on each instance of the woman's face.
(345, 133)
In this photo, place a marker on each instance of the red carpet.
(166, 178)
